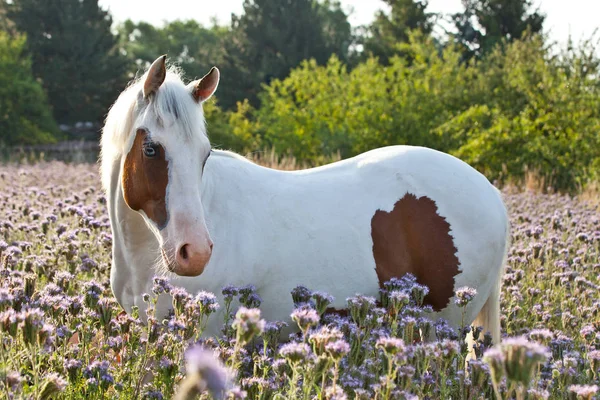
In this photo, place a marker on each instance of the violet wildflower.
(305, 317)
(360, 307)
(323, 336)
(9, 322)
(294, 352)
(151, 394)
(464, 296)
(248, 296)
(160, 285)
(204, 372)
(521, 359)
(300, 295)
(247, 324)
(11, 379)
(229, 292)
(584, 392)
(588, 332)
(207, 302)
(543, 336)
(52, 385)
(538, 394)
(337, 349)
(33, 322)
(495, 360)
(180, 297)
(390, 345)
(322, 301)
(594, 357)
(72, 367)
(397, 300)
(335, 393)
(92, 293)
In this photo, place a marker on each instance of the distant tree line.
(483, 84)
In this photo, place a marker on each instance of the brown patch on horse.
(145, 180)
(414, 238)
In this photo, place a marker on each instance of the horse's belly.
(425, 214)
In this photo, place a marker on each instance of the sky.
(578, 18)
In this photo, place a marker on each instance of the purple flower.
(337, 349)
(203, 367)
(464, 296)
(295, 352)
(300, 295)
(391, 345)
(207, 301)
(305, 317)
(584, 391)
(229, 292)
(248, 324)
(160, 285)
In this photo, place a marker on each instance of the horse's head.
(162, 169)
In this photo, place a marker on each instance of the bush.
(520, 108)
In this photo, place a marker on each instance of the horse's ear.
(203, 88)
(156, 76)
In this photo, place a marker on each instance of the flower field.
(63, 336)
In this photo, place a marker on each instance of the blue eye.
(150, 150)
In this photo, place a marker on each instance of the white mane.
(167, 106)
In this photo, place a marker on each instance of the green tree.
(25, 117)
(190, 45)
(273, 36)
(74, 54)
(485, 23)
(389, 30)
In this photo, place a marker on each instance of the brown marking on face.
(414, 238)
(145, 179)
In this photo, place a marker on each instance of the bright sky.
(576, 17)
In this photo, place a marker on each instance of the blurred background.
(509, 86)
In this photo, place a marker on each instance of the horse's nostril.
(211, 246)
(183, 252)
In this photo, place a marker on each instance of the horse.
(208, 218)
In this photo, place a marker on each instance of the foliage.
(542, 114)
(62, 332)
(25, 117)
(193, 47)
(519, 108)
(483, 24)
(273, 36)
(387, 32)
(73, 52)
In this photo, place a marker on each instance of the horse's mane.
(166, 105)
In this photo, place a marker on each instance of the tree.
(190, 45)
(25, 117)
(387, 31)
(485, 23)
(273, 36)
(74, 54)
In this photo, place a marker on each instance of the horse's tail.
(489, 316)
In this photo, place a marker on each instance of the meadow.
(63, 336)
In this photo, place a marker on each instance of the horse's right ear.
(155, 76)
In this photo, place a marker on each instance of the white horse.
(211, 218)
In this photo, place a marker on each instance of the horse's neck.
(134, 245)
(236, 188)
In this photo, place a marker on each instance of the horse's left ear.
(206, 86)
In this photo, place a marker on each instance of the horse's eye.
(150, 150)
